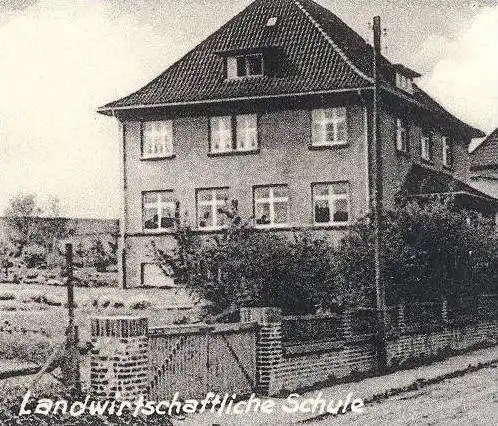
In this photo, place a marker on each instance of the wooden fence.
(201, 358)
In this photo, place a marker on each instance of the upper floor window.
(426, 145)
(447, 152)
(250, 65)
(405, 83)
(234, 134)
(329, 127)
(157, 139)
(271, 205)
(331, 203)
(401, 135)
(210, 208)
(159, 210)
(221, 134)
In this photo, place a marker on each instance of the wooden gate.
(194, 360)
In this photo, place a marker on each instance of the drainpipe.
(378, 204)
(124, 212)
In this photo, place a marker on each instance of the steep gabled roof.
(485, 156)
(321, 54)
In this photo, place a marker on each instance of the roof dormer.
(251, 63)
(405, 77)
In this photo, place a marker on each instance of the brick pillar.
(269, 352)
(119, 366)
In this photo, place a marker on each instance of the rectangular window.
(247, 132)
(329, 127)
(447, 152)
(401, 135)
(238, 134)
(211, 204)
(157, 139)
(404, 83)
(331, 203)
(271, 205)
(158, 210)
(245, 66)
(426, 146)
(221, 134)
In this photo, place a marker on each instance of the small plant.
(141, 305)
(7, 296)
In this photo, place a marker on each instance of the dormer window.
(404, 77)
(250, 65)
(404, 83)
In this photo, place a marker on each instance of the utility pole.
(71, 365)
(378, 203)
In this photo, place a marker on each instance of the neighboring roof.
(422, 180)
(321, 54)
(485, 156)
(407, 71)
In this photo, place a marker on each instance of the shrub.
(141, 305)
(243, 267)
(7, 296)
(33, 255)
(427, 252)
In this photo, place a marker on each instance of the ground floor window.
(211, 204)
(158, 210)
(331, 203)
(271, 205)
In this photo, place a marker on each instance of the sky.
(61, 59)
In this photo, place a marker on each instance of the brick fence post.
(119, 367)
(269, 352)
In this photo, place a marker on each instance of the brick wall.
(251, 355)
(119, 358)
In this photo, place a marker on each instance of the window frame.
(235, 139)
(427, 135)
(159, 205)
(331, 198)
(447, 152)
(213, 204)
(232, 66)
(166, 153)
(271, 200)
(402, 145)
(323, 143)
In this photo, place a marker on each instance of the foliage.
(33, 255)
(101, 257)
(427, 252)
(5, 259)
(27, 223)
(240, 266)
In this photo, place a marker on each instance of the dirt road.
(468, 400)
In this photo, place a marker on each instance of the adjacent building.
(484, 166)
(275, 110)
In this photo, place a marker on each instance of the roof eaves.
(493, 137)
(332, 43)
(109, 110)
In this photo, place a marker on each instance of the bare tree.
(27, 223)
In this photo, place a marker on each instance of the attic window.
(404, 83)
(245, 66)
(271, 22)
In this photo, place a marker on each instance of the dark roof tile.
(323, 53)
